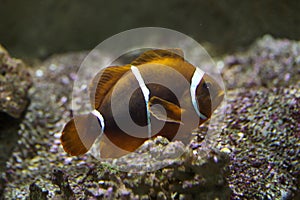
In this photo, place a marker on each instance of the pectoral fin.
(169, 112)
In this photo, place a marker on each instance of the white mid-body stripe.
(196, 79)
(100, 118)
(146, 93)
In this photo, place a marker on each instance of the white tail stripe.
(146, 94)
(100, 119)
(196, 79)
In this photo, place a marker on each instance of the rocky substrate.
(255, 156)
(15, 81)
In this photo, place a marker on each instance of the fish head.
(209, 95)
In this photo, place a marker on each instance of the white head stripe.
(100, 118)
(196, 79)
(145, 92)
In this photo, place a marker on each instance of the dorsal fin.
(104, 81)
(158, 54)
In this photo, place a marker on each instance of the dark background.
(39, 28)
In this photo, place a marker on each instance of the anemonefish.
(160, 92)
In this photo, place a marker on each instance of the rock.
(265, 157)
(263, 123)
(61, 180)
(189, 175)
(268, 63)
(259, 137)
(37, 193)
(15, 81)
(34, 159)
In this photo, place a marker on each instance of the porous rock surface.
(15, 82)
(256, 155)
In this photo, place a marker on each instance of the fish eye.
(206, 85)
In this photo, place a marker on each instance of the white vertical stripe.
(100, 118)
(196, 79)
(146, 94)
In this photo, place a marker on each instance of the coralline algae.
(259, 139)
(15, 82)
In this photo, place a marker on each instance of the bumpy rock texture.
(269, 63)
(40, 168)
(255, 157)
(15, 82)
(263, 120)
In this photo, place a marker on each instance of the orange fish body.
(159, 93)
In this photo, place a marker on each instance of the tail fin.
(80, 133)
